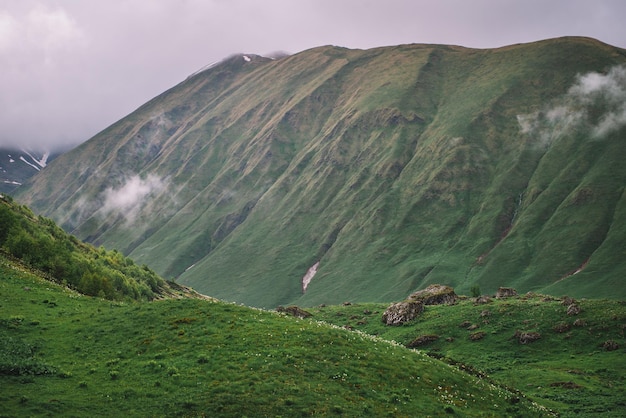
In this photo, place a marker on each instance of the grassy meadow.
(66, 354)
(570, 368)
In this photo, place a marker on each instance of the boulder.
(573, 309)
(294, 311)
(505, 292)
(423, 340)
(475, 336)
(435, 294)
(481, 300)
(401, 312)
(526, 337)
(610, 345)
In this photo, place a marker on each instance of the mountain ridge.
(393, 167)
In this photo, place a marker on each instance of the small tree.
(475, 291)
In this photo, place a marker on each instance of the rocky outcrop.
(573, 309)
(505, 292)
(524, 337)
(610, 345)
(401, 312)
(475, 336)
(435, 294)
(423, 340)
(481, 300)
(294, 311)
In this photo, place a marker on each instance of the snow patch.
(30, 164)
(309, 276)
(246, 58)
(40, 162)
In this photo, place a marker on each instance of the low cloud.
(595, 105)
(131, 197)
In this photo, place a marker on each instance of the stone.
(573, 309)
(294, 311)
(401, 312)
(505, 292)
(423, 340)
(435, 294)
(610, 345)
(526, 337)
(481, 300)
(477, 335)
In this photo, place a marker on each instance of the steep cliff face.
(392, 167)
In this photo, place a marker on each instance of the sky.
(70, 68)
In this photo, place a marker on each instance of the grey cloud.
(70, 68)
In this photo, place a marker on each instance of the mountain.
(18, 165)
(335, 174)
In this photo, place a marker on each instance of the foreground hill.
(383, 170)
(568, 355)
(38, 243)
(65, 354)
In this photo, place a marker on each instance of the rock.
(573, 309)
(565, 385)
(401, 312)
(294, 311)
(562, 327)
(566, 301)
(423, 340)
(473, 327)
(435, 294)
(580, 323)
(526, 337)
(485, 313)
(477, 335)
(610, 345)
(481, 300)
(505, 292)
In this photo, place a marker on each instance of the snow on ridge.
(246, 58)
(42, 161)
(30, 164)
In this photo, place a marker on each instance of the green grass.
(539, 369)
(65, 354)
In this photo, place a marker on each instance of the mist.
(132, 196)
(595, 105)
(69, 69)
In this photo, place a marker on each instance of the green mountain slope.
(38, 243)
(392, 167)
(65, 354)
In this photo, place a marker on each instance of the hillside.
(576, 366)
(37, 243)
(66, 354)
(392, 168)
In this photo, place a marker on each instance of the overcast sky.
(70, 68)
